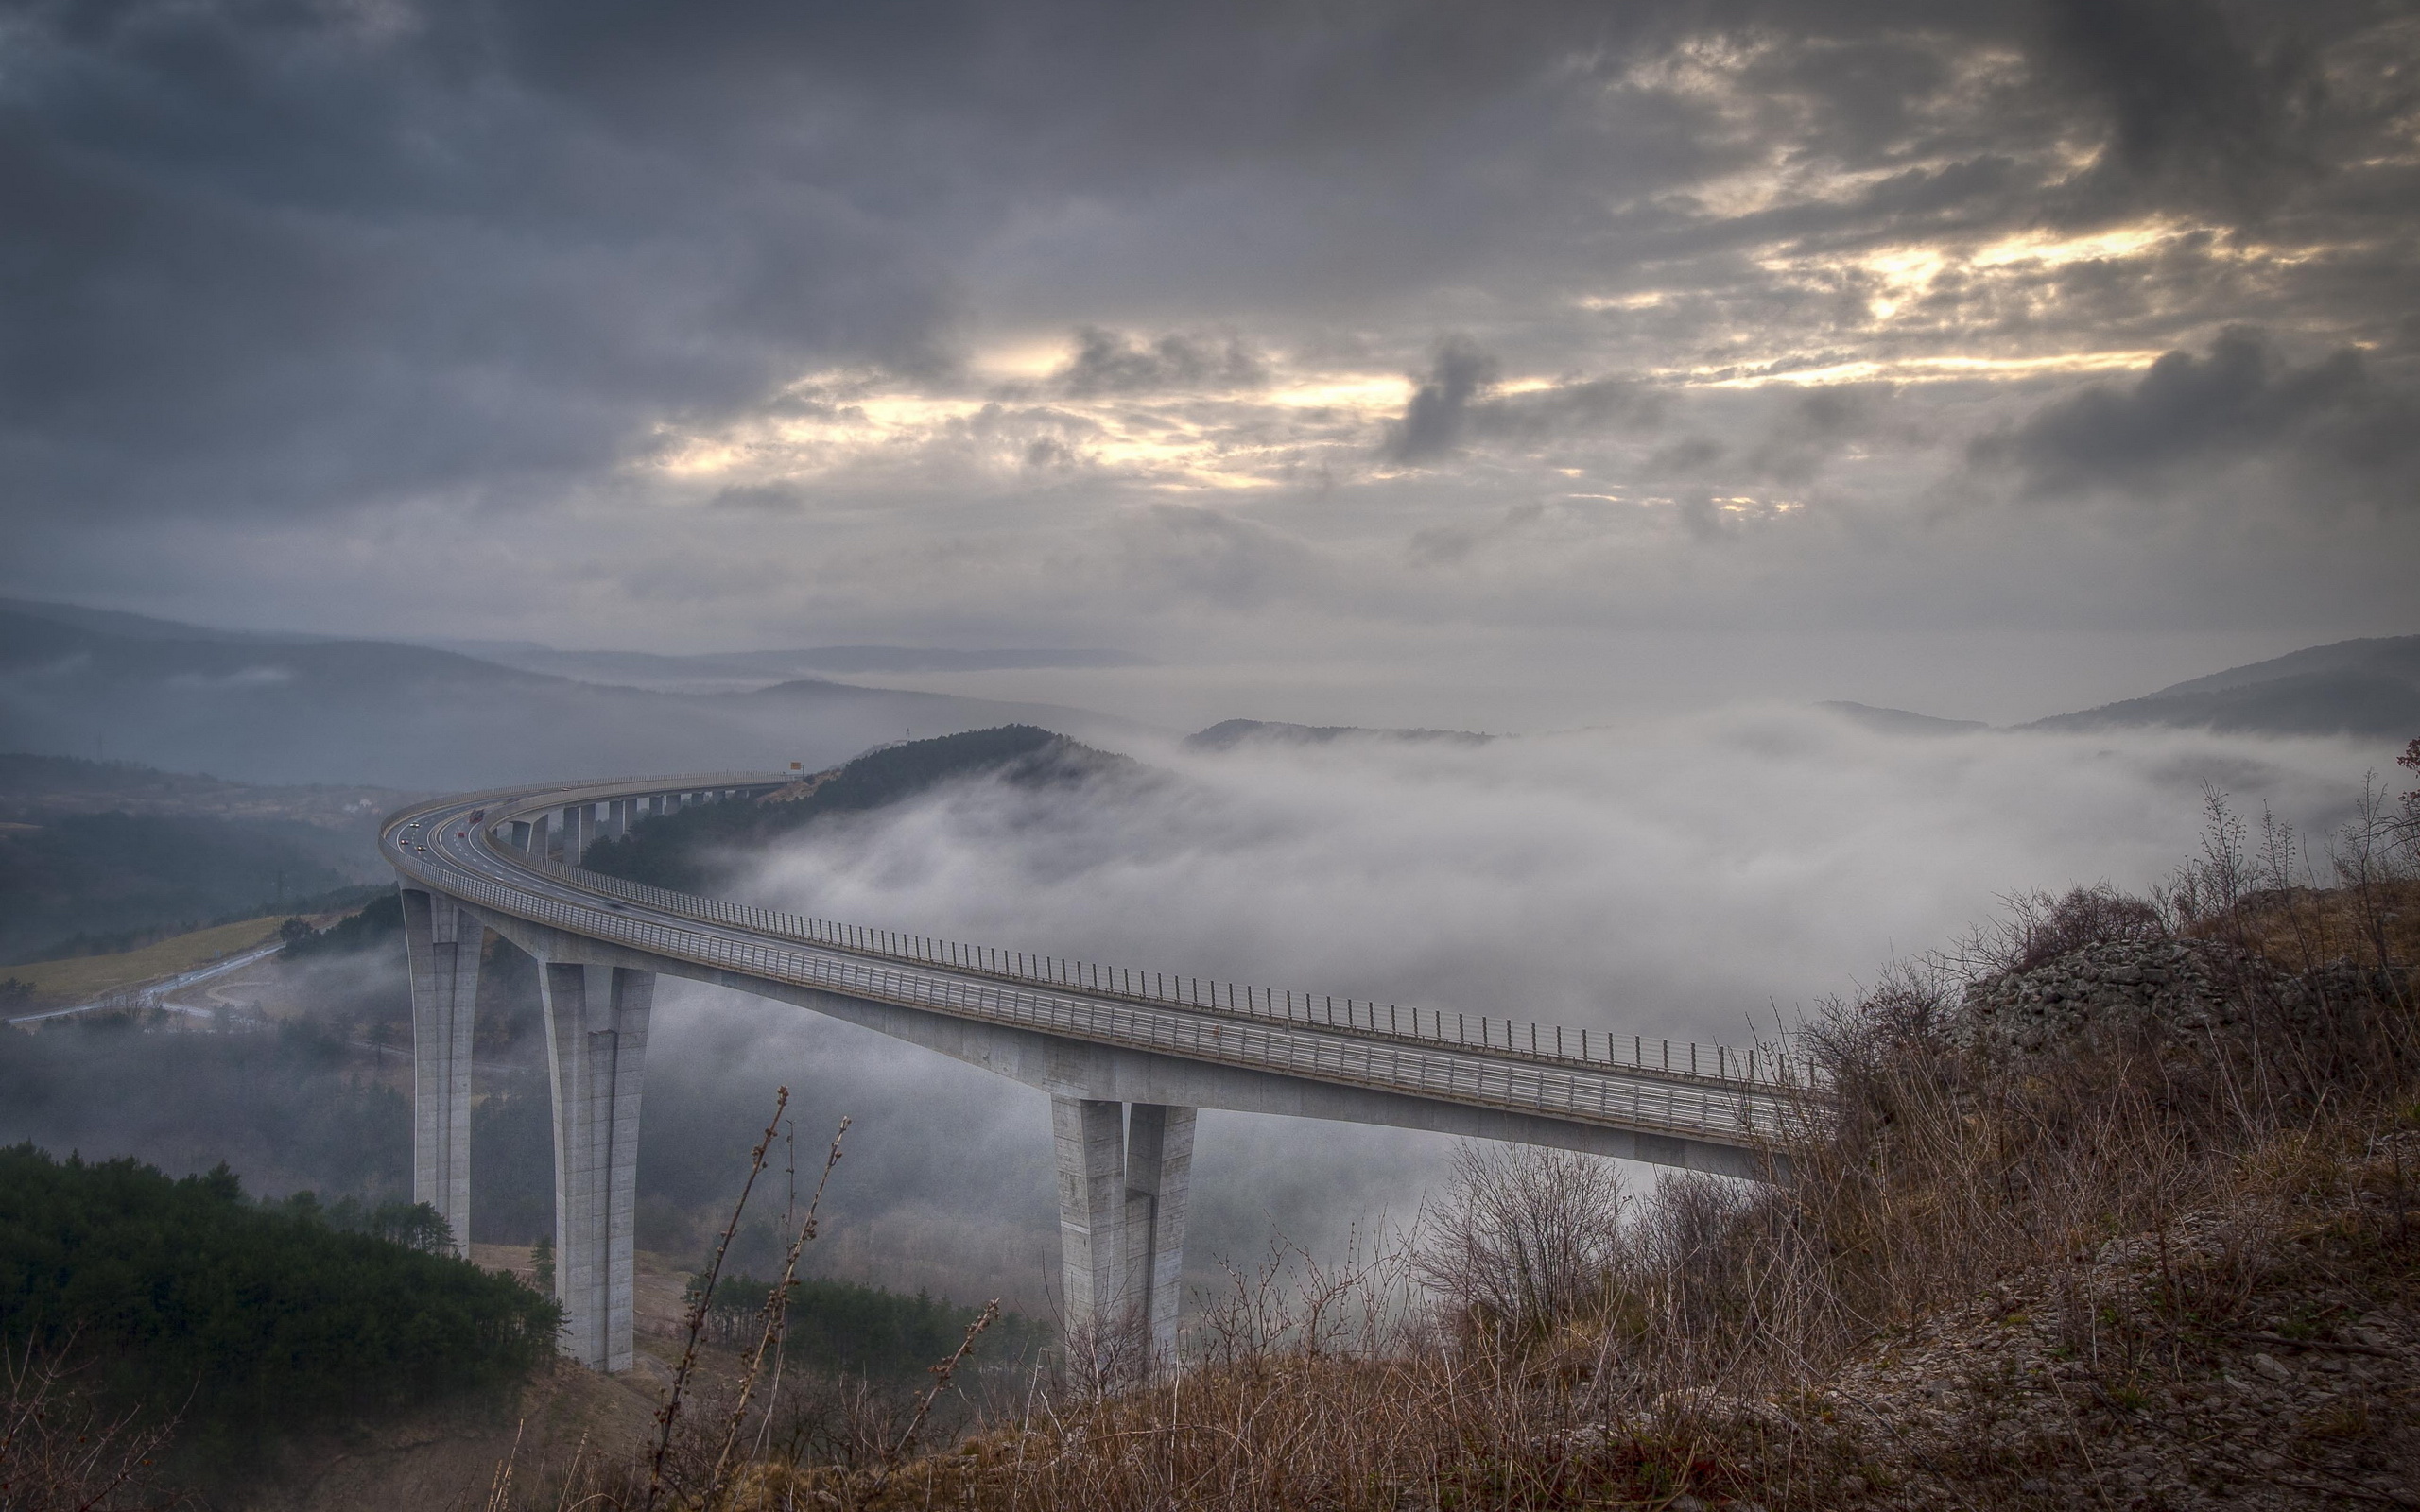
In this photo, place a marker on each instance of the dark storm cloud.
(1452, 406)
(271, 258)
(1814, 427)
(1538, 416)
(554, 273)
(2204, 102)
(1107, 361)
(1431, 425)
(2188, 414)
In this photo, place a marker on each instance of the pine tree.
(542, 1266)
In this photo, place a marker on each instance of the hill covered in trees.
(185, 1300)
(684, 850)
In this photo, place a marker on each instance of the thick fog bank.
(1694, 877)
(1677, 877)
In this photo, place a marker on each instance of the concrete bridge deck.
(1127, 1055)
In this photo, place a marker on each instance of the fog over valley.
(1507, 756)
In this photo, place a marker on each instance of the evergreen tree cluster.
(378, 926)
(248, 1320)
(848, 1328)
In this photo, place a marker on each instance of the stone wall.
(2193, 987)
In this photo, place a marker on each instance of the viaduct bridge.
(1126, 1055)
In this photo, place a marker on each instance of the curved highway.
(1709, 1098)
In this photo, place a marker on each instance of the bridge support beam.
(442, 945)
(579, 826)
(1123, 1195)
(1159, 1179)
(596, 1023)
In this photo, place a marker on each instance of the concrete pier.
(1123, 1085)
(1159, 1175)
(443, 946)
(1123, 1195)
(596, 1023)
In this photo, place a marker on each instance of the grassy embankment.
(82, 977)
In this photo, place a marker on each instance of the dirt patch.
(448, 1458)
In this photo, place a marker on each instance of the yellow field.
(85, 976)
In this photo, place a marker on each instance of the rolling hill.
(2366, 687)
(292, 709)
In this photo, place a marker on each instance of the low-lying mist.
(1702, 876)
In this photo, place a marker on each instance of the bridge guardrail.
(1738, 1116)
(1546, 1043)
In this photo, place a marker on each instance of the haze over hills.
(99, 855)
(735, 670)
(1900, 721)
(2366, 687)
(302, 710)
(297, 709)
(1229, 734)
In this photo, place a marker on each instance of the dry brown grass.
(1542, 1341)
(62, 1452)
(83, 976)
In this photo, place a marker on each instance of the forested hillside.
(687, 850)
(100, 856)
(240, 1321)
(84, 883)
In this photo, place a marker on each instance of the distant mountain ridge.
(144, 627)
(290, 709)
(1900, 721)
(731, 670)
(1230, 733)
(2365, 687)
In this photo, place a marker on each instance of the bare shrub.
(60, 1450)
(1523, 1241)
(2037, 927)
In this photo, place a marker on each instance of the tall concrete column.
(596, 1023)
(1090, 1139)
(539, 843)
(1123, 1195)
(441, 945)
(517, 834)
(579, 824)
(1159, 1178)
(617, 822)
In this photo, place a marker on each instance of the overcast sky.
(1433, 363)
